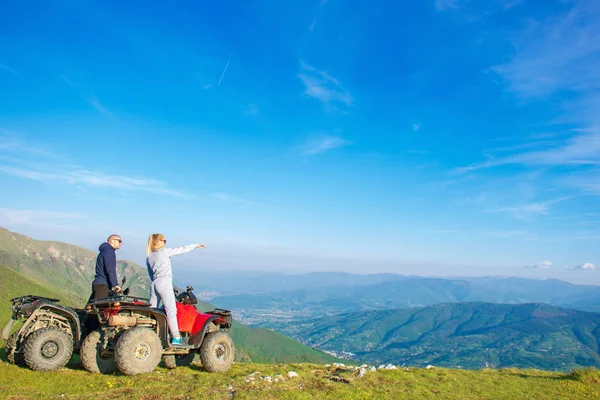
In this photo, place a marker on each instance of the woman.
(159, 268)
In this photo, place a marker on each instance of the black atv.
(50, 332)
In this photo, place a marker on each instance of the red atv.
(134, 337)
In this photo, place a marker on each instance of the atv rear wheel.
(95, 357)
(138, 351)
(14, 352)
(48, 349)
(217, 352)
(178, 360)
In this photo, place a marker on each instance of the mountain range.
(461, 335)
(389, 291)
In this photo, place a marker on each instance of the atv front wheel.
(138, 351)
(48, 349)
(95, 357)
(178, 360)
(217, 352)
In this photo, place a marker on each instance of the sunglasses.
(163, 240)
(118, 240)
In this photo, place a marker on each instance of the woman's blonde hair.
(153, 242)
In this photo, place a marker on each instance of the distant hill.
(401, 292)
(260, 282)
(64, 271)
(465, 335)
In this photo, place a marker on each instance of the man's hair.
(113, 236)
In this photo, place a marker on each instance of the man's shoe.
(176, 341)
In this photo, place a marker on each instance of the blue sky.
(444, 137)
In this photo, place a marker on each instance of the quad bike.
(49, 335)
(134, 337)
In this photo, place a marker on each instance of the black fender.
(68, 313)
(197, 338)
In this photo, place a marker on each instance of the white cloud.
(323, 144)
(325, 88)
(92, 179)
(94, 102)
(443, 5)
(580, 150)
(511, 234)
(90, 98)
(583, 267)
(8, 69)
(12, 142)
(251, 109)
(540, 265)
(231, 199)
(473, 8)
(528, 210)
(586, 181)
(36, 218)
(556, 53)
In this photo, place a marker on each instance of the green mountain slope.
(62, 265)
(467, 335)
(63, 271)
(13, 284)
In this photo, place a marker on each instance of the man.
(106, 268)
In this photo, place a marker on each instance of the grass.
(314, 381)
(13, 284)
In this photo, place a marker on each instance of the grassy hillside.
(266, 346)
(13, 284)
(467, 335)
(313, 382)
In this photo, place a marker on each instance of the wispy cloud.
(325, 88)
(322, 144)
(313, 24)
(586, 181)
(8, 69)
(36, 218)
(94, 102)
(557, 53)
(555, 57)
(580, 150)
(90, 98)
(511, 234)
(251, 109)
(414, 151)
(527, 210)
(224, 70)
(583, 267)
(91, 179)
(540, 265)
(13, 142)
(231, 199)
(470, 7)
(443, 5)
